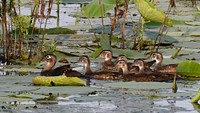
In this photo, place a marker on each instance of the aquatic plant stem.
(174, 86)
(113, 21)
(140, 38)
(171, 4)
(5, 30)
(102, 32)
(124, 21)
(48, 14)
(58, 12)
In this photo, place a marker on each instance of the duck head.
(158, 57)
(122, 65)
(48, 62)
(86, 61)
(140, 64)
(122, 57)
(106, 55)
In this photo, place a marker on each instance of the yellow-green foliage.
(149, 12)
(58, 81)
(196, 97)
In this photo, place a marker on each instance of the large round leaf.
(94, 8)
(188, 69)
(149, 12)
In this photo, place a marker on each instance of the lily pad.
(94, 9)
(193, 23)
(188, 69)
(139, 85)
(58, 81)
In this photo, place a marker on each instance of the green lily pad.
(139, 85)
(188, 69)
(94, 9)
(28, 96)
(104, 42)
(193, 23)
(58, 81)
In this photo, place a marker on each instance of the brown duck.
(48, 69)
(131, 64)
(107, 56)
(141, 75)
(102, 75)
(158, 57)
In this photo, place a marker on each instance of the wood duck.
(158, 57)
(141, 75)
(123, 57)
(107, 56)
(131, 65)
(143, 67)
(48, 69)
(102, 75)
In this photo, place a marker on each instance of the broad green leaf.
(58, 81)
(104, 42)
(188, 69)
(196, 97)
(93, 9)
(28, 96)
(149, 12)
(96, 53)
(70, 90)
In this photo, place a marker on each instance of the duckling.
(142, 67)
(48, 69)
(123, 57)
(102, 75)
(131, 65)
(107, 56)
(158, 57)
(141, 75)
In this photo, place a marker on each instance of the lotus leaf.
(57, 81)
(93, 9)
(188, 69)
(149, 12)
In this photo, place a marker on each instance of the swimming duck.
(123, 57)
(107, 56)
(158, 57)
(143, 67)
(141, 75)
(130, 64)
(48, 69)
(102, 75)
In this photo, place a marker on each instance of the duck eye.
(48, 56)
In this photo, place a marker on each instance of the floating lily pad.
(139, 85)
(193, 23)
(189, 69)
(70, 90)
(57, 81)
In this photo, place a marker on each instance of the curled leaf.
(58, 81)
